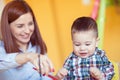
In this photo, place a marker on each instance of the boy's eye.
(77, 44)
(87, 44)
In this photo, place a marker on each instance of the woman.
(22, 47)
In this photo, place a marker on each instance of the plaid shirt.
(78, 68)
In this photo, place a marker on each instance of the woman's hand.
(45, 65)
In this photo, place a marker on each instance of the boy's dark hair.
(84, 24)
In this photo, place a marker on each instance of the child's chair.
(117, 70)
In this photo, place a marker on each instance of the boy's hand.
(61, 73)
(96, 73)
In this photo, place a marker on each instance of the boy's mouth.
(83, 54)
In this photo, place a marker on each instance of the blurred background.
(55, 18)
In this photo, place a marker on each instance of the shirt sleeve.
(68, 63)
(7, 61)
(108, 68)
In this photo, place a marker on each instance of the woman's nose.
(27, 30)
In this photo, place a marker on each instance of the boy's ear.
(97, 41)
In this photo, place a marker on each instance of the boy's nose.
(82, 48)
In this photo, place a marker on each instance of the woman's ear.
(97, 41)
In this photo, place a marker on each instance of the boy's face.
(84, 43)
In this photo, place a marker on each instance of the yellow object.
(116, 68)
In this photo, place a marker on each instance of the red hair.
(12, 11)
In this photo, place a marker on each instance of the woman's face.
(22, 28)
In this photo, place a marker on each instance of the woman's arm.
(45, 63)
(8, 61)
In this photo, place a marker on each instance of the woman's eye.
(20, 26)
(31, 23)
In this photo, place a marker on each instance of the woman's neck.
(23, 46)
